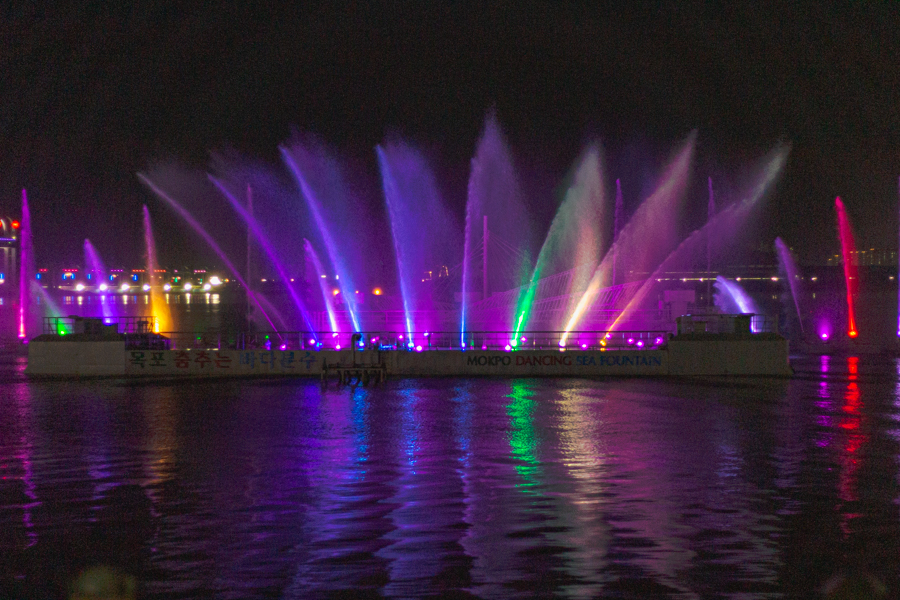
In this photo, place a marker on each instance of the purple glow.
(640, 344)
(824, 336)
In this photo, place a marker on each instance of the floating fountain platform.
(706, 345)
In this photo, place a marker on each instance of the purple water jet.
(190, 220)
(792, 273)
(725, 222)
(260, 236)
(92, 259)
(494, 206)
(296, 157)
(323, 285)
(420, 226)
(732, 298)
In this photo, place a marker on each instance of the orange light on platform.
(377, 291)
(852, 333)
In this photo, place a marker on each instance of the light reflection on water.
(474, 488)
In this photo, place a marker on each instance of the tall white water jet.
(158, 305)
(617, 227)
(420, 226)
(575, 237)
(493, 193)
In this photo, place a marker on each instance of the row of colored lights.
(187, 287)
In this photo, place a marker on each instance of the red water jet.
(848, 248)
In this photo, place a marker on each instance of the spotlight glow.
(188, 286)
(79, 287)
(215, 280)
(123, 287)
(103, 287)
(166, 287)
(146, 287)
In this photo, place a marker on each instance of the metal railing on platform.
(420, 341)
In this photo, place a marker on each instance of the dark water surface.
(462, 488)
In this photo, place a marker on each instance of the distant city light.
(79, 287)
(146, 287)
(166, 287)
(377, 291)
(103, 287)
(216, 281)
(188, 287)
(207, 286)
(124, 287)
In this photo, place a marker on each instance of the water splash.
(792, 273)
(260, 236)
(320, 275)
(209, 240)
(92, 259)
(649, 233)
(848, 248)
(292, 159)
(26, 266)
(158, 306)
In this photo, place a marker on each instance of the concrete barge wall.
(68, 359)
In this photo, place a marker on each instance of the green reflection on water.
(523, 442)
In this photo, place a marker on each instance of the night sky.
(94, 92)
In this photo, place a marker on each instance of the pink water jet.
(26, 265)
(848, 247)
